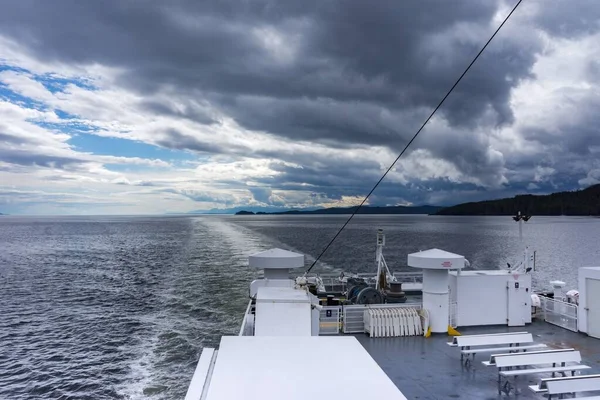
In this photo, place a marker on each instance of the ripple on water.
(121, 307)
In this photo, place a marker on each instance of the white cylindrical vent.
(435, 264)
(557, 287)
(435, 281)
(276, 263)
(435, 298)
(277, 273)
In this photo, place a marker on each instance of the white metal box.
(588, 312)
(282, 311)
(494, 297)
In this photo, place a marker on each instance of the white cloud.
(592, 178)
(22, 84)
(41, 164)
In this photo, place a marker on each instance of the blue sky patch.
(56, 84)
(111, 146)
(12, 97)
(4, 67)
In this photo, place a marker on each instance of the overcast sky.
(112, 107)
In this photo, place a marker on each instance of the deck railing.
(560, 313)
(330, 320)
(453, 314)
(332, 282)
(247, 328)
(408, 276)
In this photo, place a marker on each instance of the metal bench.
(471, 345)
(533, 363)
(570, 384)
(454, 342)
(492, 360)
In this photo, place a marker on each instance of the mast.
(382, 268)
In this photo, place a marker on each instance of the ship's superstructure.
(300, 340)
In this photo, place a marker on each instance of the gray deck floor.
(427, 368)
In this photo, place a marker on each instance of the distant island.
(349, 210)
(243, 212)
(584, 202)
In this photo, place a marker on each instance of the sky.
(144, 107)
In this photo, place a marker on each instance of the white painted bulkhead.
(588, 318)
(494, 297)
(283, 312)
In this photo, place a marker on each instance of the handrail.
(244, 321)
(559, 312)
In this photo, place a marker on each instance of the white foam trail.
(239, 237)
(140, 371)
(250, 242)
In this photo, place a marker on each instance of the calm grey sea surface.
(121, 307)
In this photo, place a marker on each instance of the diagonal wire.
(415, 135)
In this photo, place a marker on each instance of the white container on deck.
(435, 264)
(589, 301)
(281, 308)
(494, 297)
(282, 312)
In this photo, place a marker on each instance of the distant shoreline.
(395, 214)
(579, 203)
(392, 210)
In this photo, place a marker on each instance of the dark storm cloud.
(190, 110)
(173, 139)
(24, 158)
(262, 195)
(567, 18)
(344, 73)
(12, 139)
(576, 135)
(332, 181)
(376, 57)
(324, 120)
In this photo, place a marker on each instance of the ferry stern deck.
(429, 369)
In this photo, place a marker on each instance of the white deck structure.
(282, 311)
(589, 301)
(435, 264)
(278, 368)
(280, 357)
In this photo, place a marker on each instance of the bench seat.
(570, 384)
(536, 389)
(491, 349)
(528, 371)
(454, 342)
(524, 363)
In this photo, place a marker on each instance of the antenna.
(527, 258)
